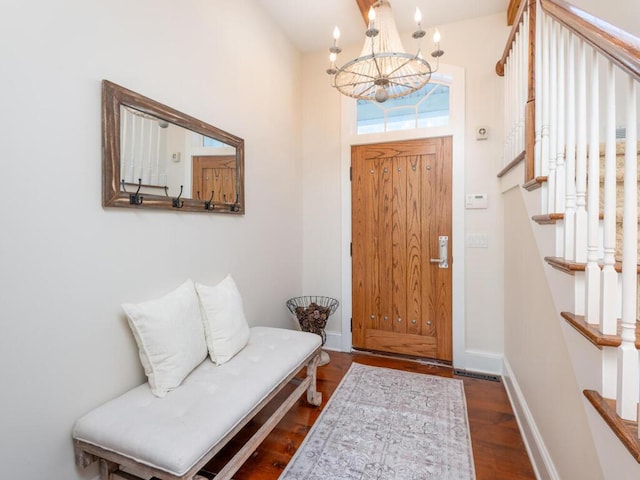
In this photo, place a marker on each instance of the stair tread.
(592, 333)
(551, 218)
(548, 218)
(625, 430)
(570, 267)
(534, 184)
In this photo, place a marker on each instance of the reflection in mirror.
(167, 157)
(158, 157)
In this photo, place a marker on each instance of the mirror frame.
(113, 97)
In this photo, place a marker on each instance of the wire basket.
(313, 312)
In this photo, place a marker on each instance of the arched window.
(427, 107)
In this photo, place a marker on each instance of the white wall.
(66, 263)
(623, 14)
(474, 45)
(535, 349)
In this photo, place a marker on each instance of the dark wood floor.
(498, 448)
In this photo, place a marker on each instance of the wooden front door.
(401, 212)
(217, 174)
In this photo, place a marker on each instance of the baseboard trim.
(536, 448)
(481, 361)
(474, 360)
(334, 341)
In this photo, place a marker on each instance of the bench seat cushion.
(175, 432)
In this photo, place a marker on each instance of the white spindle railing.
(516, 71)
(572, 102)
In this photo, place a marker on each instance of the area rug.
(388, 424)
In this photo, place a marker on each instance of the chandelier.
(383, 70)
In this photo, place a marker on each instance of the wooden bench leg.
(313, 396)
(107, 469)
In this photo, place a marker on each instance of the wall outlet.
(477, 240)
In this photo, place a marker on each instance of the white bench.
(139, 435)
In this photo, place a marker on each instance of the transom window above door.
(427, 107)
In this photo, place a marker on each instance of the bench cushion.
(175, 432)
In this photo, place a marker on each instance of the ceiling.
(309, 24)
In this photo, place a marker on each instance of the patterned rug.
(388, 424)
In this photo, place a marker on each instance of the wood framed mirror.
(156, 157)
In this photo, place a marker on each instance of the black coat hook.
(136, 198)
(209, 205)
(236, 206)
(176, 201)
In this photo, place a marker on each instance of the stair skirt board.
(536, 448)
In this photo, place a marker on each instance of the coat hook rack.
(209, 204)
(135, 198)
(166, 191)
(176, 201)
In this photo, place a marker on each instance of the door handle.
(443, 247)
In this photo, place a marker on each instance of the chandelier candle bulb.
(372, 31)
(336, 36)
(436, 39)
(332, 59)
(419, 33)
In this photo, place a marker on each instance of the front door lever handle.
(443, 247)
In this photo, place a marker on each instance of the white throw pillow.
(170, 336)
(225, 325)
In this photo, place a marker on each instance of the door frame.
(454, 77)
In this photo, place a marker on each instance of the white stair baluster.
(570, 160)
(581, 157)
(560, 131)
(553, 128)
(537, 148)
(592, 273)
(628, 370)
(609, 276)
(546, 107)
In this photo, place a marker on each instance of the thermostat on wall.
(482, 133)
(476, 200)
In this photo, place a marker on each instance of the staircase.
(571, 82)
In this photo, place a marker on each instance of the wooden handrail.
(512, 35)
(619, 46)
